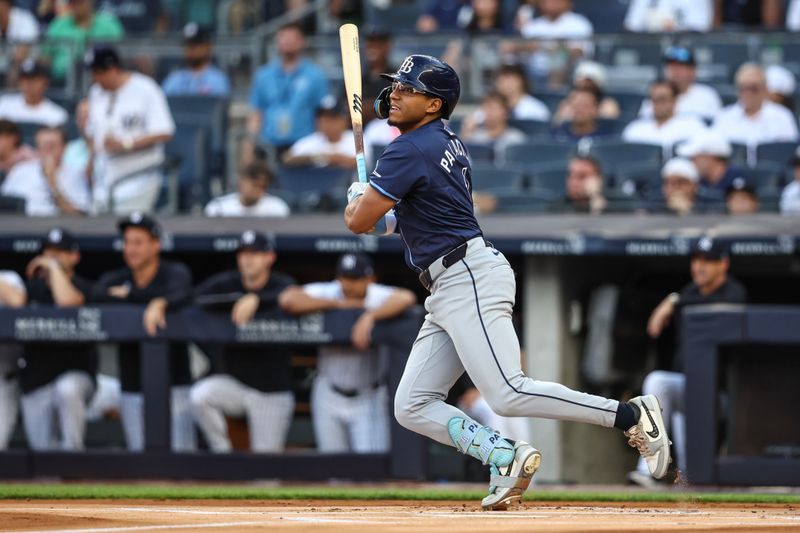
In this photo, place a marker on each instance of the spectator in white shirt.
(331, 145)
(512, 83)
(19, 28)
(693, 98)
(129, 123)
(665, 128)
(790, 197)
(48, 186)
(753, 119)
(30, 104)
(252, 199)
(556, 28)
(781, 85)
(663, 16)
(493, 130)
(592, 76)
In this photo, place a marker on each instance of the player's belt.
(429, 275)
(352, 393)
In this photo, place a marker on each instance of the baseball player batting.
(423, 177)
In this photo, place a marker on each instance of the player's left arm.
(365, 211)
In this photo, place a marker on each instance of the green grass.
(157, 492)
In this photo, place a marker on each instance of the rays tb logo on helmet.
(408, 64)
(428, 74)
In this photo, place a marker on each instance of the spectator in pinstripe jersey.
(349, 398)
(246, 379)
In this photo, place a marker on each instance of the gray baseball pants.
(468, 327)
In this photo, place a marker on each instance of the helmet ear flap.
(382, 103)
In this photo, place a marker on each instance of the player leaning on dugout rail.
(421, 188)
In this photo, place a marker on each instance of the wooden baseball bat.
(351, 68)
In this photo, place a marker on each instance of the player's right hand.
(356, 190)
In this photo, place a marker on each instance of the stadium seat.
(402, 18)
(316, 189)
(739, 154)
(606, 16)
(550, 181)
(531, 128)
(780, 53)
(612, 125)
(12, 204)
(210, 112)
(66, 101)
(490, 178)
(632, 53)
(781, 152)
(480, 152)
(29, 130)
(515, 202)
(634, 180)
(187, 151)
(629, 103)
(613, 154)
(532, 153)
(729, 54)
(767, 178)
(550, 98)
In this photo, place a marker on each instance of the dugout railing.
(123, 323)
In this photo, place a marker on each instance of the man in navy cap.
(57, 380)
(349, 399)
(246, 379)
(710, 284)
(30, 104)
(199, 76)
(129, 123)
(741, 197)
(159, 285)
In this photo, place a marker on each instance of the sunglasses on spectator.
(750, 87)
(405, 90)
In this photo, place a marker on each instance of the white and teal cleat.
(508, 484)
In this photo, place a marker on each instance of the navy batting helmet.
(428, 74)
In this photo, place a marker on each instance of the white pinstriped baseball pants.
(269, 414)
(66, 396)
(131, 407)
(359, 424)
(468, 327)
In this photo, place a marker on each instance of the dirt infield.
(105, 516)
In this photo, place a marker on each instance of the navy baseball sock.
(627, 416)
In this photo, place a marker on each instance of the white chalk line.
(143, 528)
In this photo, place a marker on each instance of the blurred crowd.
(58, 388)
(551, 132)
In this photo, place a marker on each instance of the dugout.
(559, 260)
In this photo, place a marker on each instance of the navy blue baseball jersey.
(427, 172)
